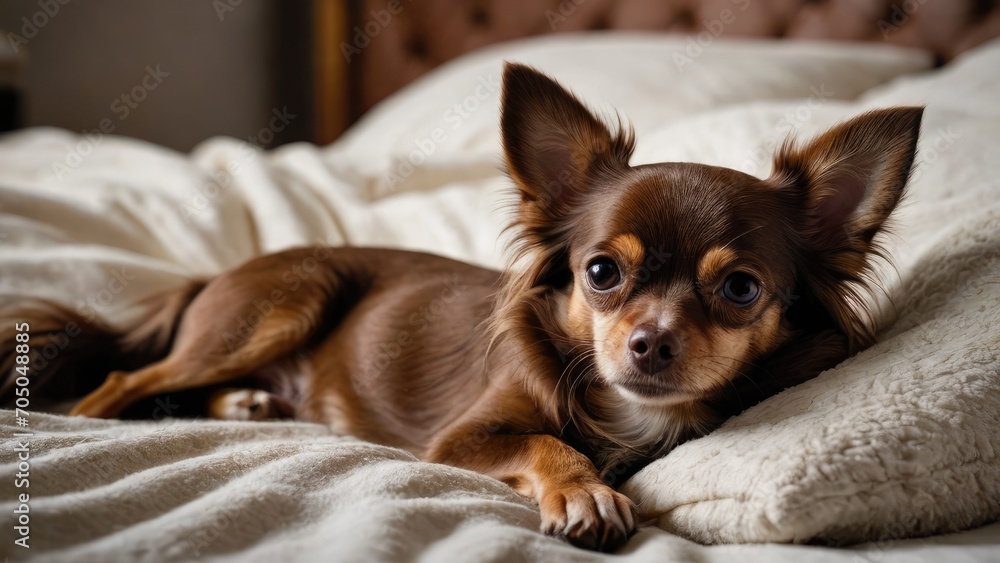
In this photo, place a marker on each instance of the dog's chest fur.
(623, 435)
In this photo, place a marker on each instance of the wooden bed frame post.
(331, 80)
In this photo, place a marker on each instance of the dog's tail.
(65, 355)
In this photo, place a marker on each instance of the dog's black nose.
(653, 348)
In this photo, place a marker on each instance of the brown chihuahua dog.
(643, 306)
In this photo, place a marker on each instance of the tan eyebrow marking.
(714, 262)
(630, 247)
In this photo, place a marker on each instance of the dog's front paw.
(589, 515)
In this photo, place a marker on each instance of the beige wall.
(224, 73)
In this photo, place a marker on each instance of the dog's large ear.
(851, 177)
(554, 148)
(846, 182)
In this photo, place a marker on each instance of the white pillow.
(899, 441)
(446, 124)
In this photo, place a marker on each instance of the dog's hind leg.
(188, 368)
(235, 326)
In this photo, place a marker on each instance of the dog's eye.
(740, 289)
(603, 274)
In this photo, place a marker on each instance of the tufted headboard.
(367, 49)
